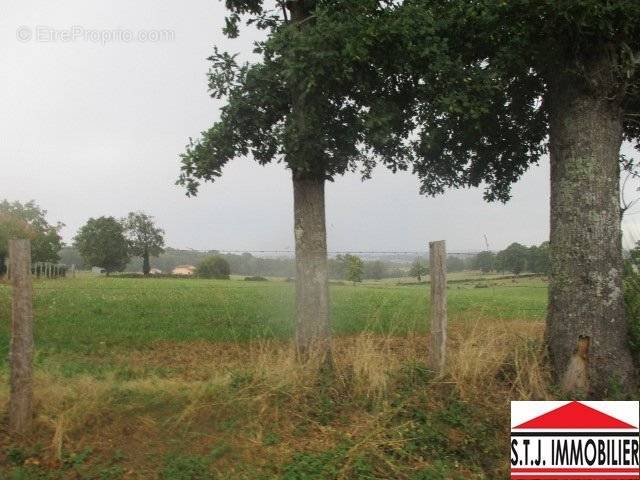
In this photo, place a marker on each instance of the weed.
(75, 459)
(185, 467)
(240, 379)
(315, 465)
(270, 439)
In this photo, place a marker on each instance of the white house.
(187, 270)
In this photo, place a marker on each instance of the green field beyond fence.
(89, 314)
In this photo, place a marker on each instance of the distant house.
(155, 271)
(184, 270)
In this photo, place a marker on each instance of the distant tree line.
(104, 242)
(516, 258)
(133, 243)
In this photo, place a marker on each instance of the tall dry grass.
(260, 388)
(499, 358)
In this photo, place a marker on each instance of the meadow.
(89, 313)
(187, 379)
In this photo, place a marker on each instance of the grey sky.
(91, 128)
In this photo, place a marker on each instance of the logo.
(575, 440)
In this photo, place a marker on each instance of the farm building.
(184, 270)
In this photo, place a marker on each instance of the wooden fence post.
(21, 355)
(438, 271)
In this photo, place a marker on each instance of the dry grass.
(258, 402)
(500, 357)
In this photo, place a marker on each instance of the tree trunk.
(313, 330)
(587, 333)
(146, 266)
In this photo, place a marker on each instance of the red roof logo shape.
(575, 415)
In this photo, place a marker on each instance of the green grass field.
(188, 379)
(90, 313)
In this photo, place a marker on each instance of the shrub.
(154, 276)
(256, 278)
(214, 267)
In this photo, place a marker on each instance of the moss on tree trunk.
(587, 332)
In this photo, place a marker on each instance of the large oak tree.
(145, 239)
(102, 243)
(273, 114)
(477, 92)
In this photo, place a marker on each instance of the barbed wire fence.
(424, 252)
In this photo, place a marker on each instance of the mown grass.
(92, 314)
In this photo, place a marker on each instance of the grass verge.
(209, 410)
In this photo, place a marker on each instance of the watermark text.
(79, 33)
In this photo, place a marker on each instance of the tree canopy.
(214, 266)
(102, 243)
(28, 220)
(144, 238)
(513, 258)
(418, 270)
(485, 261)
(456, 90)
(459, 90)
(354, 268)
(259, 118)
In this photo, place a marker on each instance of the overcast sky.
(92, 127)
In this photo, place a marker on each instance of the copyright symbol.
(24, 34)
